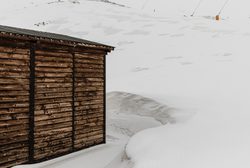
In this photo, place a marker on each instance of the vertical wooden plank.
(104, 100)
(73, 105)
(32, 99)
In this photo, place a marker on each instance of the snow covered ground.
(177, 85)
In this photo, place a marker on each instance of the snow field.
(196, 67)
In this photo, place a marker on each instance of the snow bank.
(132, 104)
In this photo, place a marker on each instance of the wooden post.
(73, 105)
(104, 100)
(31, 118)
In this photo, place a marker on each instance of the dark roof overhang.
(32, 35)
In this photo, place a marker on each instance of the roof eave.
(55, 41)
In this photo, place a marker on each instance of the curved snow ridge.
(133, 104)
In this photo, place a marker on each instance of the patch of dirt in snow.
(43, 23)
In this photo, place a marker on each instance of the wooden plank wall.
(53, 103)
(89, 100)
(59, 76)
(14, 106)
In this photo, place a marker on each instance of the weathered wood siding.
(14, 106)
(68, 105)
(89, 99)
(53, 103)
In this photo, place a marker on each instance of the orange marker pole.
(217, 17)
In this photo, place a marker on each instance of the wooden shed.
(52, 95)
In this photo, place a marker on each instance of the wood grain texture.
(55, 105)
(89, 70)
(52, 95)
(15, 62)
(14, 75)
(17, 105)
(13, 151)
(89, 56)
(12, 43)
(13, 122)
(80, 84)
(85, 61)
(52, 75)
(52, 111)
(14, 128)
(88, 93)
(83, 140)
(88, 116)
(53, 64)
(47, 152)
(87, 102)
(52, 126)
(53, 80)
(14, 145)
(87, 88)
(53, 121)
(89, 79)
(12, 134)
(86, 130)
(14, 140)
(14, 93)
(14, 68)
(14, 50)
(14, 87)
(52, 132)
(53, 85)
(52, 90)
(90, 134)
(14, 98)
(52, 116)
(54, 54)
(98, 97)
(14, 81)
(59, 70)
(17, 156)
(89, 66)
(65, 140)
(14, 56)
(53, 137)
(89, 111)
(89, 107)
(56, 100)
(16, 116)
(13, 110)
(89, 75)
(53, 59)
